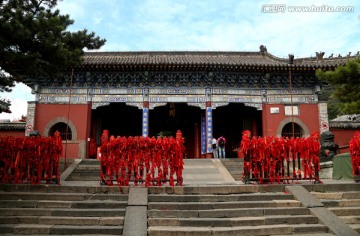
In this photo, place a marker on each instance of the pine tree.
(34, 41)
(345, 81)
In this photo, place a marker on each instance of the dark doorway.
(118, 118)
(166, 120)
(231, 120)
(287, 130)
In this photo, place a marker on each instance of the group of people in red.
(218, 147)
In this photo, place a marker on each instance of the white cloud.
(18, 98)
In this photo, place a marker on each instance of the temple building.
(203, 94)
(344, 128)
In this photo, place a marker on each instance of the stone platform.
(210, 202)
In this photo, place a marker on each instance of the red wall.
(13, 133)
(79, 115)
(308, 114)
(343, 137)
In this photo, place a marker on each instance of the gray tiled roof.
(12, 126)
(346, 122)
(186, 58)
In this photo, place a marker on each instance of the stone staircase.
(207, 204)
(345, 205)
(61, 212)
(275, 213)
(87, 170)
(235, 166)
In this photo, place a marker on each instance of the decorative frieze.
(176, 98)
(179, 79)
(99, 104)
(295, 99)
(258, 106)
(62, 99)
(139, 105)
(177, 91)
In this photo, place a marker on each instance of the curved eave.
(197, 66)
(344, 125)
(12, 126)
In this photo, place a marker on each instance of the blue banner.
(203, 135)
(209, 129)
(145, 122)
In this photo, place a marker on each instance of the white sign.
(274, 110)
(295, 110)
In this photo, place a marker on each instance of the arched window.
(64, 130)
(287, 130)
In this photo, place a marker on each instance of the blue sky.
(212, 25)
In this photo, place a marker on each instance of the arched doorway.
(287, 130)
(166, 120)
(231, 120)
(63, 128)
(118, 118)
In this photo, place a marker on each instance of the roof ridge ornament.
(319, 55)
(291, 59)
(263, 50)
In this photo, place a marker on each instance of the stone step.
(327, 195)
(227, 213)
(62, 220)
(345, 211)
(61, 196)
(237, 177)
(305, 234)
(234, 167)
(88, 167)
(202, 231)
(351, 219)
(69, 188)
(232, 222)
(310, 228)
(90, 178)
(337, 195)
(356, 227)
(232, 164)
(232, 160)
(83, 178)
(61, 212)
(90, 162)
(221, 205)
(342, 203)
(85, 173)
(35, 229)
(235, 172)
(219, 198)
(62, 204)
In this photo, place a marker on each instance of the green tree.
(345, 81)
(326, 95)
(34, 41)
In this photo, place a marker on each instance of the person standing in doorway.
(215, 148)
(221, 145)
